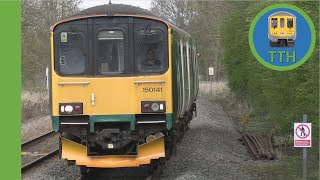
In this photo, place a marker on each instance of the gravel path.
(35, 127)
(209, 150)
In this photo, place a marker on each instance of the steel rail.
(39, 160)
(42, 158)
(37, 138)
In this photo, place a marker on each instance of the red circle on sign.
(306, 135)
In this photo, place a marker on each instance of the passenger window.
(274, 22)
(149, 50)
(281, 22)
(290, 23)
(72, 55)
(111, 52)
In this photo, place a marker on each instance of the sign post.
(211, 73)
(47, 77)
(304, 153)
(302, 138)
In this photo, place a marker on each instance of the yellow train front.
(282, 29)
(123, 86)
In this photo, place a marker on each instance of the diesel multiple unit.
(123, 86)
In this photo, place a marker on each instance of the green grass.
(289, 167)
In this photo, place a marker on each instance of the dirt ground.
(34, 127)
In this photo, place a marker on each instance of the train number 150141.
(152, 89)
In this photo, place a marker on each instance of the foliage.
(180, 12)
(203, 21)
(37, 17)
(221, 30)
(280, 97)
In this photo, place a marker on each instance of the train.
(282, 29)
(123, 86)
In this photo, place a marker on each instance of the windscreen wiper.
(75, 31)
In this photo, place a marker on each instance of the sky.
(145, 4)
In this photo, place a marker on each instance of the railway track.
(139, 173)
(150, 177)
(258, 148)
(36, 150)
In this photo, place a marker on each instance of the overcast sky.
(145, 4)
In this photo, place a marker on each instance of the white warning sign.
(64, 37)
(211, 71)
(302, 134)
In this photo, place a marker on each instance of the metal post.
(217, 82)
(304, 154)
(47, 78)
(211, 88)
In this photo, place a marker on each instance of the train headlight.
(68, 109)
(153, 106)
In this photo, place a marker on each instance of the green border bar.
(112, 118)
(55, 123)
(10, 73)
(169, 121)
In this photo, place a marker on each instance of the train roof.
(109, 9)
(123, 9)
(282, 13)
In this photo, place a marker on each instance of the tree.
(203, 21)
(37, 17)
(179, 12)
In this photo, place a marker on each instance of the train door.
(189, 74)
(182, 65)
(179, 81)
(195, 73)
(185, 77)
(282, 26)
(111, 87)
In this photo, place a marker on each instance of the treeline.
(203, 20)
(279, 97)
(37, 17)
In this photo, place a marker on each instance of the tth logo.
(282, 37)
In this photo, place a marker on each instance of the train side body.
(185, 73)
